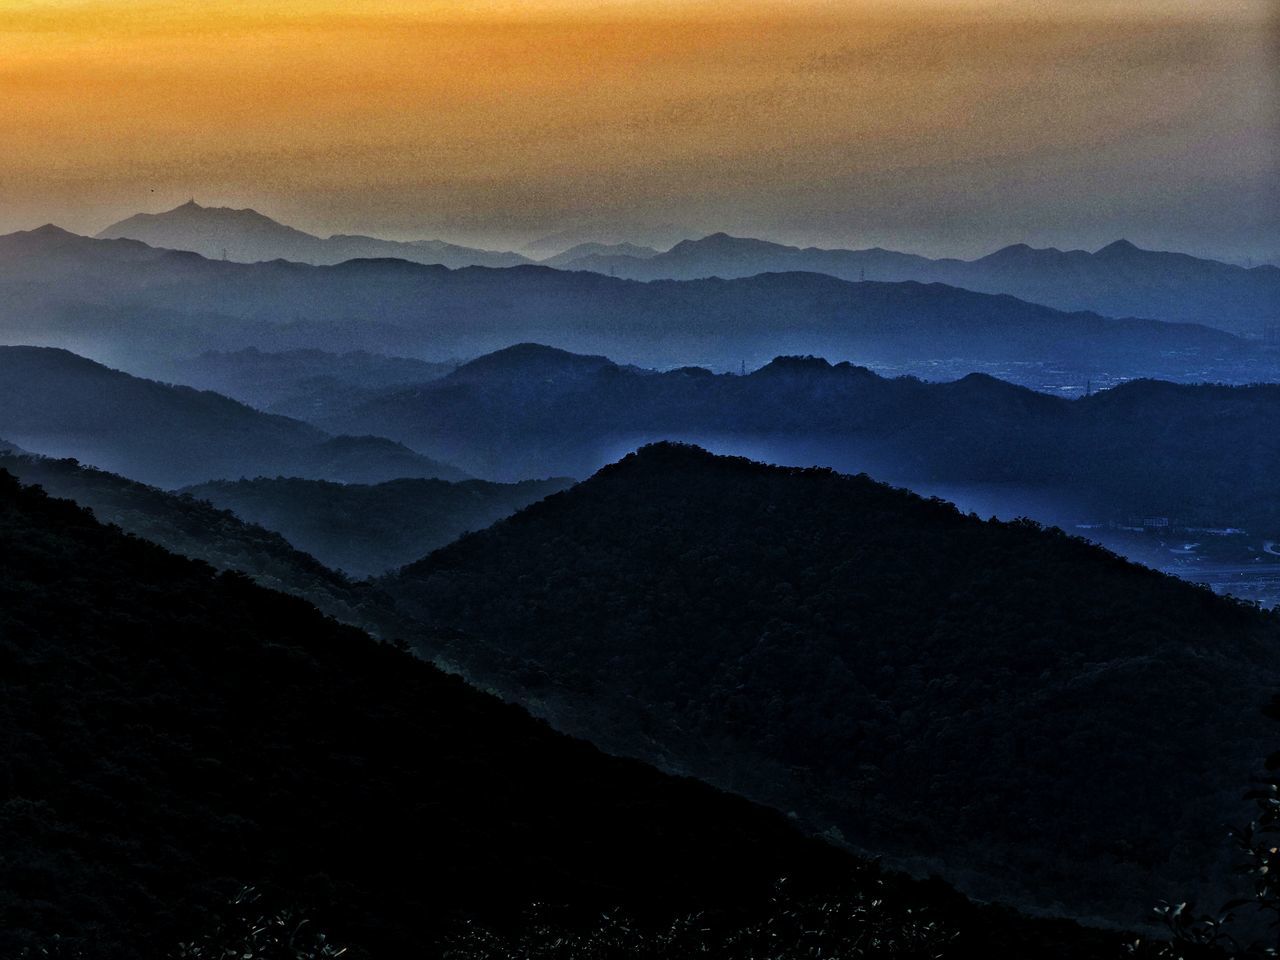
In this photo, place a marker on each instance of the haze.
(947, 128)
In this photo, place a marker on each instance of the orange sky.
(942, 126)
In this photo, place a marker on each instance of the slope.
(366, 530)
(171, 731)
(54, 402)
(1033, 717)
(172, 734)
(197, 530)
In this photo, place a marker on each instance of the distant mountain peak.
(531, 359)
(795, 365)
(1119, 248)
(50, 230)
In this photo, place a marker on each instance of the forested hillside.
(172, 734)
(196, 529)
(1028, 714)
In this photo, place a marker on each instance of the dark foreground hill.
(109, 298)
(54, 402)
(171, 733)
(1202, 454)
(365, 530)
(1033, 717)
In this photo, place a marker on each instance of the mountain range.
(223, 233)
(1024, 713)
(124, 302)
(1118, 280)
(1208, 454)
(56, 403)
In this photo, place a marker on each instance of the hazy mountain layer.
(301, 383)
(56, 403)
(116, 300)
(1204, 454)
(366, 530)
(1120, 280)
(570, 258)
(248, 236)
(1030, 715)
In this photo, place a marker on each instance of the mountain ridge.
(55, 402)
(1119, 279)
(1204, 453)
(161, 305)
(250, 236)
(780, 641)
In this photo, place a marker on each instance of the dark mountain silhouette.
(76, 291)
(365, 530)
(170, 733)
(1030, 715)
(1200, 453)
(1119, 280)
(530, 364)
(54, 402)
(197, 529)
(301, 383)
(249, 236)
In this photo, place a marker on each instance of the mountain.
(196, 529)
(54, 402)
(1030, 716)
(1119, 280)
(607, 233)
(1208, 455)
(247, 236)
(79, 292)
(301, 383)
(575, 255)
(367, 530)
(171, 733)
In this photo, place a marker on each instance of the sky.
(947, 127)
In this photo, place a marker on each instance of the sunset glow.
(947, 126)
